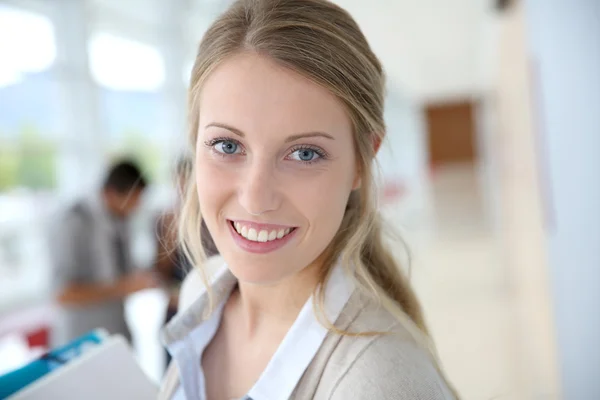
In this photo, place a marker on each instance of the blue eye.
(226, 147)
(305, 155)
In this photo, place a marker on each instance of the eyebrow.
(291, 138)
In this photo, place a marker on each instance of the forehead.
(254, 93)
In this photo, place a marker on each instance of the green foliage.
(29, 160)
(9, 166)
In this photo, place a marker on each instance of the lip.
(260, 247)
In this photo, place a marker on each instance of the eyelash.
(323, 155)
(320, 152)
(210, 144)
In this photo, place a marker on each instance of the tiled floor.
(459, 274)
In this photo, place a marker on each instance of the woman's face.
(275, 166)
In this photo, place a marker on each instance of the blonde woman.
(286, 106)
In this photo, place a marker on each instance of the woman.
(286, 106)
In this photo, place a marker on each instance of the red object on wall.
(39, 337)
(393, 191)
(34, 324)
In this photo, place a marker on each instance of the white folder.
(108, 371)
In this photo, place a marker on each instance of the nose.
(259, 191)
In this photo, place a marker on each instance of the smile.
(260, 233)
(260, 238)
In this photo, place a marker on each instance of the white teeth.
(252, 234)
(263, 236)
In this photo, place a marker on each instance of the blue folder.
(16, 380)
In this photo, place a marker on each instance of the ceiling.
(432, 50)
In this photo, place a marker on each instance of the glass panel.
(124, 64)
(130, 75)
(29, 103)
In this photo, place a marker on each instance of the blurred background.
(491, 167)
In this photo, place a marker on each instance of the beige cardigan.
(383, 367)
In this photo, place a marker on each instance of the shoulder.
(78, 211)
(77, 219)
(86, 211)
(392, 368)
(395, 365)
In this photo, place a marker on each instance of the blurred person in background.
(93, 266)
(286, 105)
(171, 261)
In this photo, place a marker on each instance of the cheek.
(213, 185)
(322, 199)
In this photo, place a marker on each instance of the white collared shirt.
(290, 360)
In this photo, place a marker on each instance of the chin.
(251, 269)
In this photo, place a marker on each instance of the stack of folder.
(93, 367)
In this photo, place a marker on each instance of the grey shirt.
(85, 251)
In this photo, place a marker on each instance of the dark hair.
(124, 177)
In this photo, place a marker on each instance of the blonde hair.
(322, 42)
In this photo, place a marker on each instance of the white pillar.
(81, 149)
(520, 223)
(173, 46)
(565, 45)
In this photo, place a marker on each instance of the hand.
(139, 280)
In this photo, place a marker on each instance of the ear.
(357, 181)
(377, 143)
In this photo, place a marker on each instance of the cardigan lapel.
(308, 384)
(182, 324)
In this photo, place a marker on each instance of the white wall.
(404, 154)
(565, 43)
(404, 162)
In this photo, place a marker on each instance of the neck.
(277, 305)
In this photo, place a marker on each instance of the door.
(451, 133)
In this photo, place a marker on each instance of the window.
(27, 44)
(125, 65)
(187, 72)
(29, 122)
(130, 75)
(30, 130)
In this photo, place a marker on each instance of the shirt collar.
(182, 324)
(302, 342)
(297, 349)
